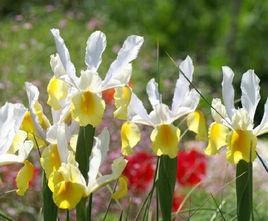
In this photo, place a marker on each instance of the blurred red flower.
(139, 171)
(191, 167)
(177, 200)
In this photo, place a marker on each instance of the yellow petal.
(196, 122)
(23, 178)
(28, 126)
(130, 136)
(27, 123)
(50, 160)
(122, 97)
(67, 195)
(42, 119)
(217, 135)
(57, 90)
(165, 139)
(241, 146)
(122, 189)
(87, 108)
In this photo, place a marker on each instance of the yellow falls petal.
(67, 195)
(50, 160)
(122, 97)
(87, 108)
(130, 136)
(165, 139)
(196, 123)
(23, 177)
(57, 90)
(241, 146)
(217, 135)
(122, 189)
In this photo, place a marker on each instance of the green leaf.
(83, 152)
(50, 210)
(244, 191)
(5, 216)
(166, 185)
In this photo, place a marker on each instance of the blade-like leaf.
(244, 191)
(83, 151)
(166, 184)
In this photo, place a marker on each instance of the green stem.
(83, 152)
(244, 191)
(50, 210)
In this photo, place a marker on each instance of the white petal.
(188, 104)
(118, 167)
(120, 70)
(153, 93)
(11, 116)
(137, 113)
(250, 92)
(23, 153)
(25, 150)
(98, 154)
(161, 115)
(96, 45)
(263, 127)
(221, 114)
(33, 95)
(64, 55)
(228, 90)
(56, 65)
(90, 80)
(182, 85)
(62, 142)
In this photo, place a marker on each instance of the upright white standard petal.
(33, 95)
(220, 116)
(188, 104)
(228, 90)
(64, 55)
(153, 93)
(263, 127)
(137, 113)
(250, 92)
(96, 45)
(182, 84)
(99, 153)
(120, 70)
(62, 142)
(11, 116)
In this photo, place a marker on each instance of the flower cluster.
(70, 154)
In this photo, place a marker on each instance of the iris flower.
(234, 127)
(86, 103)
(64, 177)
(165, 136)
(14, 146)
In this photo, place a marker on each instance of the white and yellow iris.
(14, 146)
(64, 177)
(86, 103)
(233, 127)
(165, 136)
